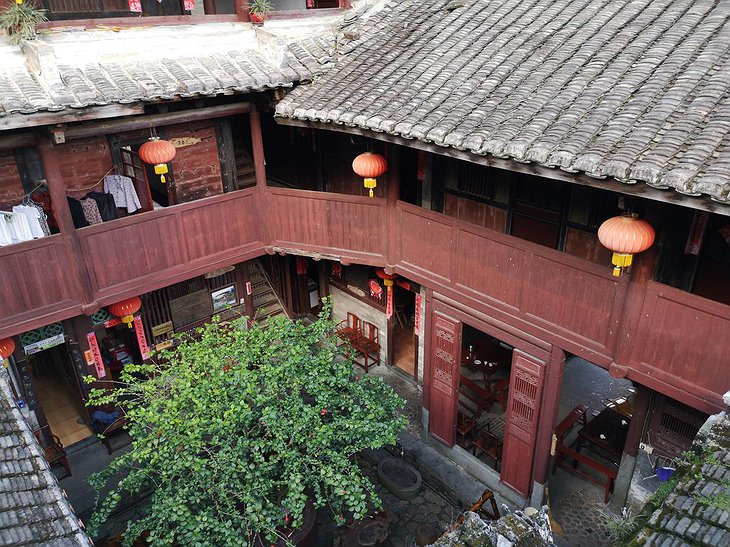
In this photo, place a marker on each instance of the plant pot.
(257, 19)
(399, 478)
(306, 536)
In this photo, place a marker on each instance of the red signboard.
(113, 322)
(135, 6)
(417, 320)
(94, 348)
(188, 5)
(141, 338)
(389, 304)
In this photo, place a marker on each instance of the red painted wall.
(83, 164)
(11, 188)
(197, 167)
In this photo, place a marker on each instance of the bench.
(609, 473)
(578, 414)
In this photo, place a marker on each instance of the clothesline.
(97, 183)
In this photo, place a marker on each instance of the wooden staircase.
(266, 302)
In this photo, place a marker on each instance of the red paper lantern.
(386, 277)
(370, 166)
(7, 347)
(126, 309)
(625, 235)
(158, 152)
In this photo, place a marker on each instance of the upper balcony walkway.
(672, 341)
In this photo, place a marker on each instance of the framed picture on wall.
(224, 298)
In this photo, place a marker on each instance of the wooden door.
(445, 364)
(523, 409)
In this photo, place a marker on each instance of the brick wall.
(196, 167)
(11, 187)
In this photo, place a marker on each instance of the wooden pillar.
(209, 7)
(324, 284)
(631, 448)
(62, 212)
(392, 195)
(257, 142)
(245, 283)
(427, 349)
(548, 416)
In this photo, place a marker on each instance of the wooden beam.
(139, 22)
(18, 140)
(703, 203)
(83, 131)
(69, 115)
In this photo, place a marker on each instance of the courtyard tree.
(235, 429)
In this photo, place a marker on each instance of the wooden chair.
(52, 448)
(349, 329)
(465, 425)
(106, 431)
(367, 344)
(489, 444)
(479, 399)
(499, 392)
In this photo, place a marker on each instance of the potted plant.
(259, 10)
(236, 432)
(19, 21)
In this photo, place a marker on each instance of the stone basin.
(401, 479)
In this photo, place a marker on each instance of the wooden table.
(607, 432)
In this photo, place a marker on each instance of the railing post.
(392, 196)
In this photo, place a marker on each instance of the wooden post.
(62, 212)
(209, 6)
(393, 195)
(257, 142)
(548, 415)
(245, 283)
(324, 284)
(631, 448)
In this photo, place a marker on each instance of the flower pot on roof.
(259, 10)
(19, 21)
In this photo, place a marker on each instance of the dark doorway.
(405, 337)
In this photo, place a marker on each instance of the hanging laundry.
(91, 211)
(77, 213)
(42, 217)
(106, 204)
(122, 188)
(43, 198)
(33, 216)
(6, 232)
(16, 227)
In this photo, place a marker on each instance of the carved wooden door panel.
(523, 412)
(445, 364)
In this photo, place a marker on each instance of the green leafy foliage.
(260, 7)
(19, 21)
(235, 430)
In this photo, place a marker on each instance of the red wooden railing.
(682, 341)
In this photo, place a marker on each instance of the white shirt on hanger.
(122, 190)
(32, 215)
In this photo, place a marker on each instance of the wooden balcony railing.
(681, 343)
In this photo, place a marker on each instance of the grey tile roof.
(33, 510)
(636, 90)
(76, 69)
(697, 511)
